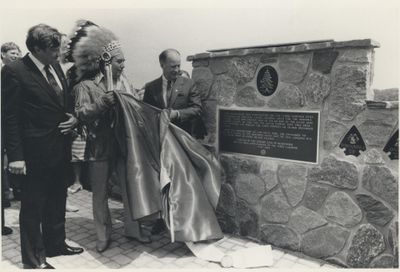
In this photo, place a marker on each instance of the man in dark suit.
(37, 129)
(176, 93)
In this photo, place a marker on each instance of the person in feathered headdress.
(99, 63)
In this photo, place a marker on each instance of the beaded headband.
(113, 45)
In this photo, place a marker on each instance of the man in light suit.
(176, 93)
(36, 127)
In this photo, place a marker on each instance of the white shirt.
(41, 66)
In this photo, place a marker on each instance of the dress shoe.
(64, 250)
(42, 266)
(102, 245)
(141, 239)
(158, 227)
(74, 188)
(6, 231)
(71, 208)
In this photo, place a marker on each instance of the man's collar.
(37, 62)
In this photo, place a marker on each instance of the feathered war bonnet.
(98, 44)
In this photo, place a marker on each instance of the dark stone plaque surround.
(288, 135)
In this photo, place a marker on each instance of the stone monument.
(309, 151)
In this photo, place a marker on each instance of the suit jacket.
(32, 113)
(185, 98)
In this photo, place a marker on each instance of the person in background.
(9, 52)
(78, 144)
(176, 93)
(37, 141)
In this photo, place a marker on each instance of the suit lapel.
(158, 94)
(39, 78)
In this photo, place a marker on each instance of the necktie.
(53, 83)
(169, 92)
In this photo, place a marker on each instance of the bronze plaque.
(267, 80)
(352, 142)
(287, 135)
(392, 146)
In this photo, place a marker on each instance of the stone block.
(219, 66)
(293, 67)
(375, 211)
(325, 241)
(334, 172)
(247, 220)
(210, 119)
(375, 133)
(293, 179)
(249, 97)
(249, 187)
(348, 91)
(289, 97)
(366, 244)
(393, 240)
(316, 88)
(203, 79)
(341, 209)
(386, 94)
(356, 55)
(383, 261)
(227, 200)
(373, 156)
(227, 223)
(380, 181)
(234, 165)
(334, 131)
(323, 61)
(303, 220)
(269, 58)
(275, 208)
(224, 90)
(268, 174)
(243, 69)
(280, 236)
(315, 196)
(200, 63)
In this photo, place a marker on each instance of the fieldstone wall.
(343, 209)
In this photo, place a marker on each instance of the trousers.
(99, 173)
(42, 214)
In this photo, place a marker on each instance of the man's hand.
(17, 167)
(173, 115)
(67, 126)
(109, 99)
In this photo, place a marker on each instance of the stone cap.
(283, 48)
(382, 104)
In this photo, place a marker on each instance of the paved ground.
(126, 253)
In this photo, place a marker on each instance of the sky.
(145, 28)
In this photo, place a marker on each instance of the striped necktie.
(53, 83)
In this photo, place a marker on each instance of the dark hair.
(164, 54)
(5, 47)
(43, 36)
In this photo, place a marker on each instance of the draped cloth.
(166, 170)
